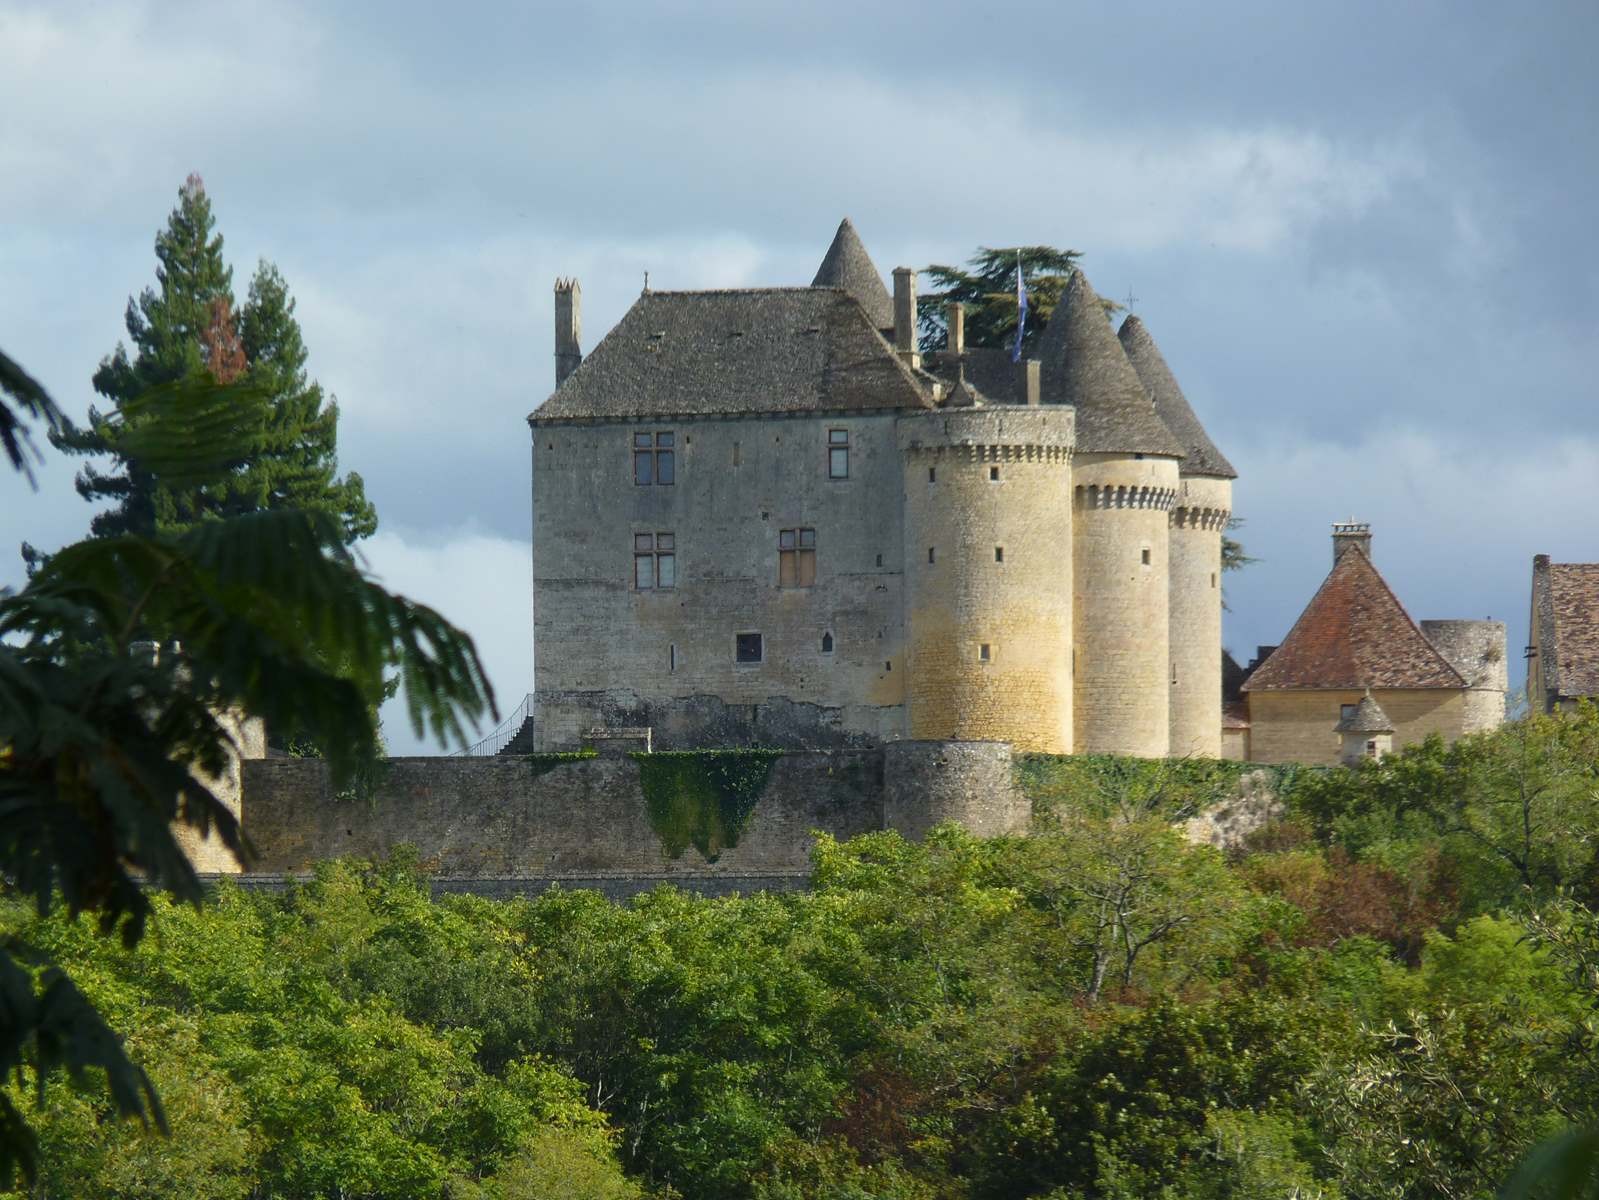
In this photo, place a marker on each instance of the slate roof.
(1354, 633)
(847, 265)
(1368, 717)
(1201, 456)
(965, 394)
(756, 350)
(1084, 365)
(986, 368)
(1566, 606)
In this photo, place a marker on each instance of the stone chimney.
(1351, 533)
(905, 317)
(1027, 377)
(955, 320)
(568, 328)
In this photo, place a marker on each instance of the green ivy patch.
(703, 798)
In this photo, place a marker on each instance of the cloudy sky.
(1363, 234)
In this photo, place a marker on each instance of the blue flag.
(1021, 312)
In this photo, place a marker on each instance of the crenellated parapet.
(992, 453)
(1121, 495)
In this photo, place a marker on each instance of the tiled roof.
(1083, 364)
(1235, 715)
(847, 265)
(1354, 633)
(1201, 456)
(1368, 717)
(1567, 612)
(758, 350)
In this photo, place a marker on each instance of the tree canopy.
(189, 326)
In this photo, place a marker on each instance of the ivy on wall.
(703, 798)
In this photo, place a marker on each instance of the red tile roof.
(1353, 634)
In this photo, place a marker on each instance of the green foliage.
(703, 798)
(987, 287)
(103, 752)
(1177, 788)
(287, 455)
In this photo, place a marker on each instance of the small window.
(737, 454)
(1145, 558)
(932, 474)
(888, 666)
(838, 454)
(654, 561)
(985, 653)
(993, 474)
(879, 560)
(1174, 673)
(671, 657)
(1213, 579)
(747, 648)
(796, 558)
(999, 554)
(653, 458)
(827, 643)
(930, 554)
(1371, 749)
(1346, 711)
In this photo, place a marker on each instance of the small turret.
(1366, 731)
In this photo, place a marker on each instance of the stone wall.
(1477, 650)
(833, 648)
(516, 823)
(1120, 605)
(1197, 524)
(1297, 726)
(988, 575)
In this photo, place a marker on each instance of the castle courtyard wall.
(1297, 726)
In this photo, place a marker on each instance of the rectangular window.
(652, 458)
(984, 653)
(932, 474)
(796, 558)
(1146, 556)
(654, 561)
(747, 647)
(930, 554)
(1346, 711)
(993, 474)
(999, 554)
(838, 454)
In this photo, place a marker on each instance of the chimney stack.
(568, 328)
(905, 317)
(1351, 533)
(1027, 374)
(955, 320)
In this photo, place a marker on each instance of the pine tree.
(296, 463)
(187, 328)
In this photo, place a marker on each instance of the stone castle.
(761, 516)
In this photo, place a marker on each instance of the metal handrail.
(502, 735)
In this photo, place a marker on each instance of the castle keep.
(761, 516)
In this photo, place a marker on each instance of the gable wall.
(602, 648)
(1297, 726)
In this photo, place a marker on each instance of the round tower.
(1126, 481)
(1121, 559)
(1199, 518)
(988, 568)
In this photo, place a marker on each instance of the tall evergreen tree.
(295, 466)
(987, 287)
(186, 327)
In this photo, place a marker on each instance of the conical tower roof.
(1368, 717)
(1083, 365)
(1200, 454)
(847, 265)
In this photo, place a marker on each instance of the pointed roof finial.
(1201, 456)
(847, 265)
